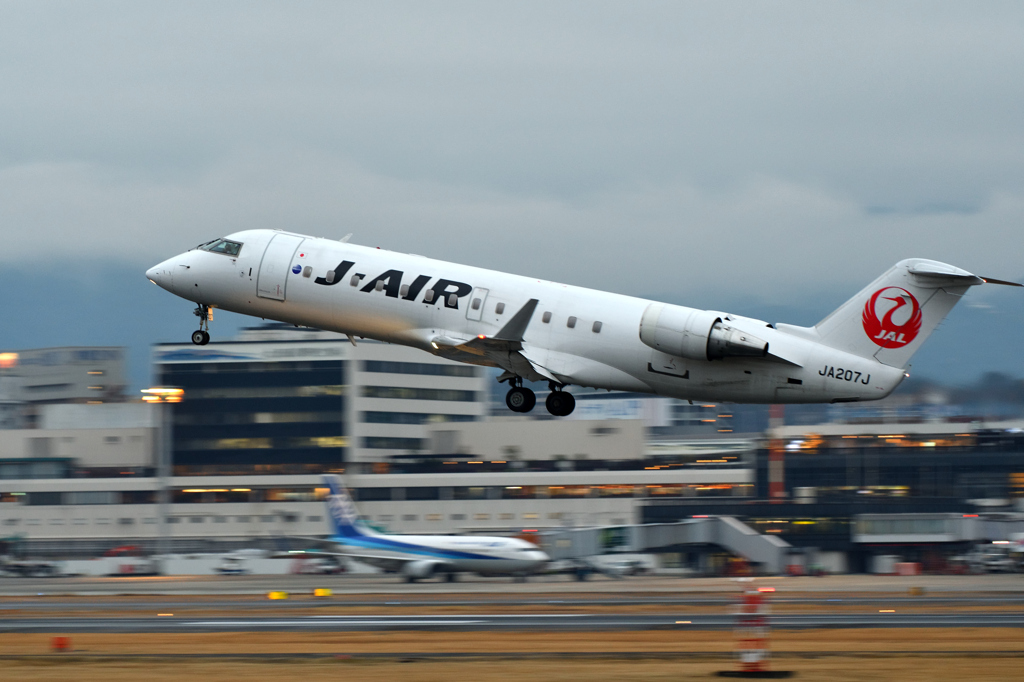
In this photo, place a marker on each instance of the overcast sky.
(649, 148)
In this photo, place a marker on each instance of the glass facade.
(266, 417)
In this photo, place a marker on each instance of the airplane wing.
(504, 349)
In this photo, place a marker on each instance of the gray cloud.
(642, 147)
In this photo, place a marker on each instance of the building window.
(409, 517)
(242, 519)
(196, 519)
(111, 440)
(392, 443)
(415, 418)
(481, 517)
(531, 515)
(458, 517)
(314, 519)
(423, 493)
(267, 519)
(173, 519)
(434, 517)
(426, 368)
(11, 522)
(220, 519)
(126, 521)
(403, 393)
(506, 517)
(373, 494)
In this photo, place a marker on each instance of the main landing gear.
(201, 336)
(521, 399)
(560, 403)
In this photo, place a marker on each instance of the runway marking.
(318, 623)
(478, 615)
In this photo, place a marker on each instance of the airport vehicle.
(418, 557)
(538, 330)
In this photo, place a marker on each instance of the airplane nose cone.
(160, 275)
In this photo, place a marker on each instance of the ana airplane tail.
(341, 510)
(891, 317)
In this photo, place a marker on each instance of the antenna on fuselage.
(344, 240)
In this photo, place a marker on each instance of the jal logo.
(892, 317)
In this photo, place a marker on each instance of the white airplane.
(565, 335)
(424, 556)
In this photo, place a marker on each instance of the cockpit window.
(222, 246)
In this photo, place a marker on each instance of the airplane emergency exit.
(538, 330)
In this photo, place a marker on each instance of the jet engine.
(696, 334)
(419, 570)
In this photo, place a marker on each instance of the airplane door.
(476, 304)
(273, 276)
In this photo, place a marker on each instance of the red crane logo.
(886, 331)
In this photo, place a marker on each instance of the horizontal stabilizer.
(989, 280)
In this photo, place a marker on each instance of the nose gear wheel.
(201, 336)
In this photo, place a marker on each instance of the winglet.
(516, 327)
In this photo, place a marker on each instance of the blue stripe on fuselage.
(384, 543)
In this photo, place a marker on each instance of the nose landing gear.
(201, 336)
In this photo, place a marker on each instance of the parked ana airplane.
(423, 556)
(545, 331)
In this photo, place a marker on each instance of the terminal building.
(416, 438)
(264, 416)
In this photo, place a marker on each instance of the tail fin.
(341, 509)
(892, 316)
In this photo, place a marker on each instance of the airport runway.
(363, 585)
(500, 622)
(50, 604)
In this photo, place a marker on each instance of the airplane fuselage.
(458, 553)
(575, 335)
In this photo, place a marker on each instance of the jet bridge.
(723, 531)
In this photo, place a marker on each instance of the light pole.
(163, 395)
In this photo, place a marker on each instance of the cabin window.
(307, 271)
(546, 317)
(379, 286)
(476, 304)
(597, 327)
(404, 291)
(500, 308)
(355, 280)
(329, 277)
(571, 322)
(428, 296)
(453, 301)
